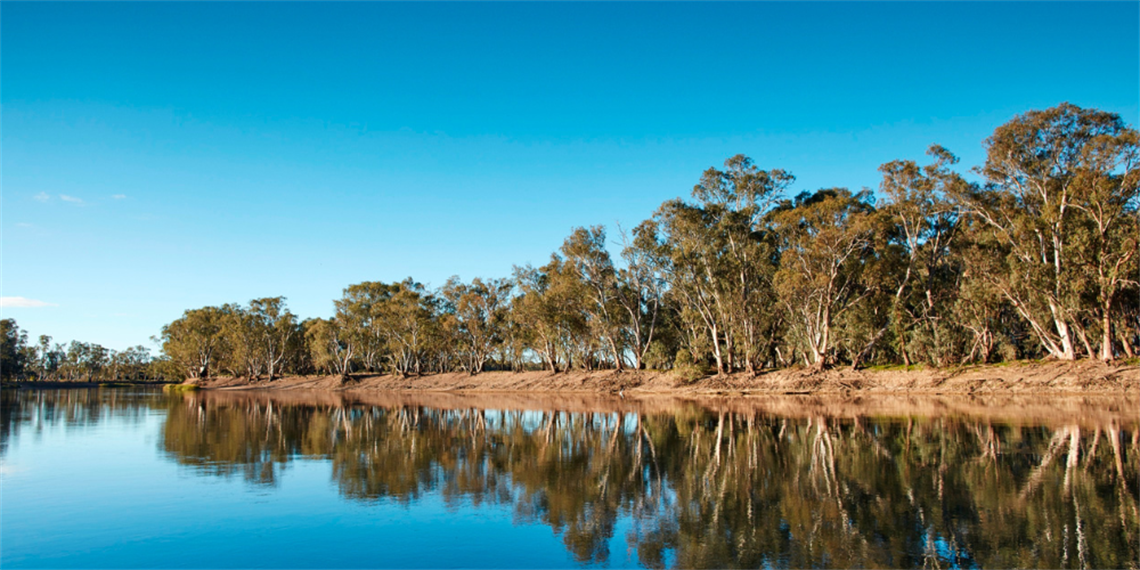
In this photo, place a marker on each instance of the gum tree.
(1061, 195)
(824, 239)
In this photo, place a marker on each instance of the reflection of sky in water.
(102, 497)
(135, 482)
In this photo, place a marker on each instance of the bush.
(657, 357)
(685, 369)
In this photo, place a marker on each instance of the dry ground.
(1017, 378)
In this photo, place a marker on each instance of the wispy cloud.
(118, 196)
(41, 197)
(71, 199)
(23, 302)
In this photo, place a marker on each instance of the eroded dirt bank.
(1084, 377)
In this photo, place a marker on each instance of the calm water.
(131, 478)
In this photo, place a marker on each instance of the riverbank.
(1083, 377)
(38, 384)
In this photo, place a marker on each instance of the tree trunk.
(617, 355)
(716, 351)
(1125, 343)
(1067, 350)
(820, 352)
(1106, 352)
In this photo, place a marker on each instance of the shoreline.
(1022, 378)
(1079, 378)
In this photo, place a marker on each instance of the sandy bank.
(1024, 378)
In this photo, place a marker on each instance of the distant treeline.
(1037, 260)
(46, 361)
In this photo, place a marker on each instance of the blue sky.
(165, 156)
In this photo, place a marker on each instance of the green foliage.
(685, 369)
(13, 350)
(658, 356)
(76, 362)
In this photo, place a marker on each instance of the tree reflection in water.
(74, 408)
(714, 486)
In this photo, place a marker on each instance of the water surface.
(135, 478)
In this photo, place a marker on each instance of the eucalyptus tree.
(551, 305)
(276, 331)
(921, 224)
(13, 349)
(517, 337)
(129, 364)
(978, 307)
(536, 309)
(944, 270)
(587, 257)
(48, 358)
(444, 351)
(388, 321)
(738, 198)
(689, 262)
(1108, 200)
(247, 353)
(360, 310)
(824, 239)
(1058, 206)
(196, 341)
(479, 309)
(330, 349)
(718, 262)
(641, 289)
(85, 361)
(1128, 328)
(408, 325)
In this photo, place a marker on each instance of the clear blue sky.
(165, 156)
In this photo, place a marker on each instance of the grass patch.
(688, 374)
(180, 388)
(894, 367)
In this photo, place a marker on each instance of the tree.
(586, 256)
(551, 305)
(276, 329)
(131, 364)
(1061, 195)
(408, 325)
(479, 309)
(641, 289)
(719, 264)
(243, 336)
(328, 347)
(48, 357)
(360, 311)
(824, 239)
(921, 225)
(1041, 258)
(196, 341)
(13, 349)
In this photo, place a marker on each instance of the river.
(135, 478)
